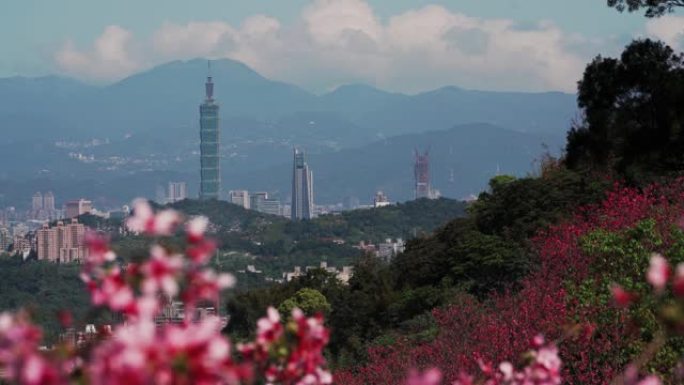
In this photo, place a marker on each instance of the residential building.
(343, 275)
(5, 239)
(73, 209)
(260, 202)
(177, 191)
(239, 197)
(62, 243)
(270, 206)
(389, 249)
(302, 188)
(210, 164)
(256, 199)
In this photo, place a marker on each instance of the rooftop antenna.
(209, 86)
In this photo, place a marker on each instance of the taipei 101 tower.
(210, 165)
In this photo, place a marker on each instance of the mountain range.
(359, 138)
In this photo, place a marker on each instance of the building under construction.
(422, 175)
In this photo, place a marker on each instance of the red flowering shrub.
(596, 337)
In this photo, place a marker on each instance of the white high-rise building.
(177, 191)
(239, 197)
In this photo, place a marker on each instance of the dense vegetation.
(272, 244)
(534, 254)
(633, 114)
(485, 252)
(43, 289)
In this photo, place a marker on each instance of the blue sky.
(405, 45)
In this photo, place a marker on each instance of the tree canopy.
(310, 301)
(653, 8)
(633, 122)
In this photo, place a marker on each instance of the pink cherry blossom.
(678, 283)
(658, 272)
(429, 377)
(160, 272)
(621, 297)
(144, 220)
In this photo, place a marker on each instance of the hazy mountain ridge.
(165, 99)
(151, 122)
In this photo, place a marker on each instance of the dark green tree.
(310, 301)
(633, 121)
(654, 8)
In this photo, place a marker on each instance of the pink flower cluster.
(141, 351)
(659, 274)
(19, 355)
(303, 361)
(543, 368)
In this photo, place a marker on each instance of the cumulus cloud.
(342, 41)
(111, 56)
(669, 29)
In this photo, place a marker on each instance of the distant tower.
(49, 201)
(37, 202)
(210, 171)
(422, 175)
(302, 188)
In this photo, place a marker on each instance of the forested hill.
(260, 233)
(406, 220)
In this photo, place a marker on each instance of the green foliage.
(517, 210)
(622, 257)
(45, 288)
(404, 220)
(308, 300)
(486, 251)
(653, 8)
(632, 114)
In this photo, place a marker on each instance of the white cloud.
(193, 39)
(669, 29)
(341, 41)
(110, 56)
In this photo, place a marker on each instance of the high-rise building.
(239, 197)
(72, 209)
(5, 239)
(37, 202)
(177, 191)
(49, 202)
(43, 207)
(302, 188)
(210, 167)
(422, 175)
(62, 243)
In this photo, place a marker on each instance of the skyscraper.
(210, 170)
(302, 188)
(422, 175)
(49, 202)
(37, 202)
